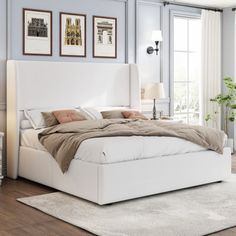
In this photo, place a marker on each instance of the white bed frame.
(58, 84)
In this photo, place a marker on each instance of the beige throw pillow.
(114, 114)
(65, 116)
(49, 119)
(134, 115)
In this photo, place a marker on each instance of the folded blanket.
(63, 140)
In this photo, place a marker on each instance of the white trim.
(137, 32)
(119, 0)
(174, 13)
(171, 61)
(149, 3)
(185, 14)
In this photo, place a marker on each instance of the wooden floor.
(20, 220)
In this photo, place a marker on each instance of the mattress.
(108, 150)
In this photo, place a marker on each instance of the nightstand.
(162, 105)
(1, 167)
(172, 121)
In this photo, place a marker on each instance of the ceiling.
(210, 3)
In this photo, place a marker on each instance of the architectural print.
(37, 32)
(37, 27)
(104, 32)
(104, 37)
(72, 34)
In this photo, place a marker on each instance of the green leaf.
(208, 117)
(227, 101)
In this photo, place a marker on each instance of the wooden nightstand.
(1, 167)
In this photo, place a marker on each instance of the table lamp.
(154, 91)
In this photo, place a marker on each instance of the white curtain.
(211, 66)
(235, 72)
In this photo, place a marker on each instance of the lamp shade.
(157, 35)
(154, 91)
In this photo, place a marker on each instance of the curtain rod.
(194, 6)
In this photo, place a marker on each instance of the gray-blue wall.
(136, 20)
(89, 7)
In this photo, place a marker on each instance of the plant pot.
(230, 144)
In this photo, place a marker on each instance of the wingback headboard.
(40, 84)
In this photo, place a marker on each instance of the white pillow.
(25, 124)
(35, 116)
(100, 109)
(91, 113)
(94, 113)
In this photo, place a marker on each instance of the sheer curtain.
(235, 72)
(211, 66)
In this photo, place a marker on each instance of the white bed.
(104, 170)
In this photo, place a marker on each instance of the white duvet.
(118, 149)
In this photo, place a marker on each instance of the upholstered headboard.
(40, 84)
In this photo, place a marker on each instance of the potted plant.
(228, 104)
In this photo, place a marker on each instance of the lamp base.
(154, 111)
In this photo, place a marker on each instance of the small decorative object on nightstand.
(154, 91)
(166, 118)
(1, 141)
(170, 119)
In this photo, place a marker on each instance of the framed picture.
(104, 37)
(37, 32)
(72, 35)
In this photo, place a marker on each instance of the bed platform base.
(109, 183)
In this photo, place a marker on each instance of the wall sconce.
(156, 37)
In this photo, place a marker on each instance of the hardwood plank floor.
(20, 220)
(17, 219)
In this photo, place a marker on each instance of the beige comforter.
(62, 141)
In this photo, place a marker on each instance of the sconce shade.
(157, 35)
(154, 91)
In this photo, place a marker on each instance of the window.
(186, 73)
